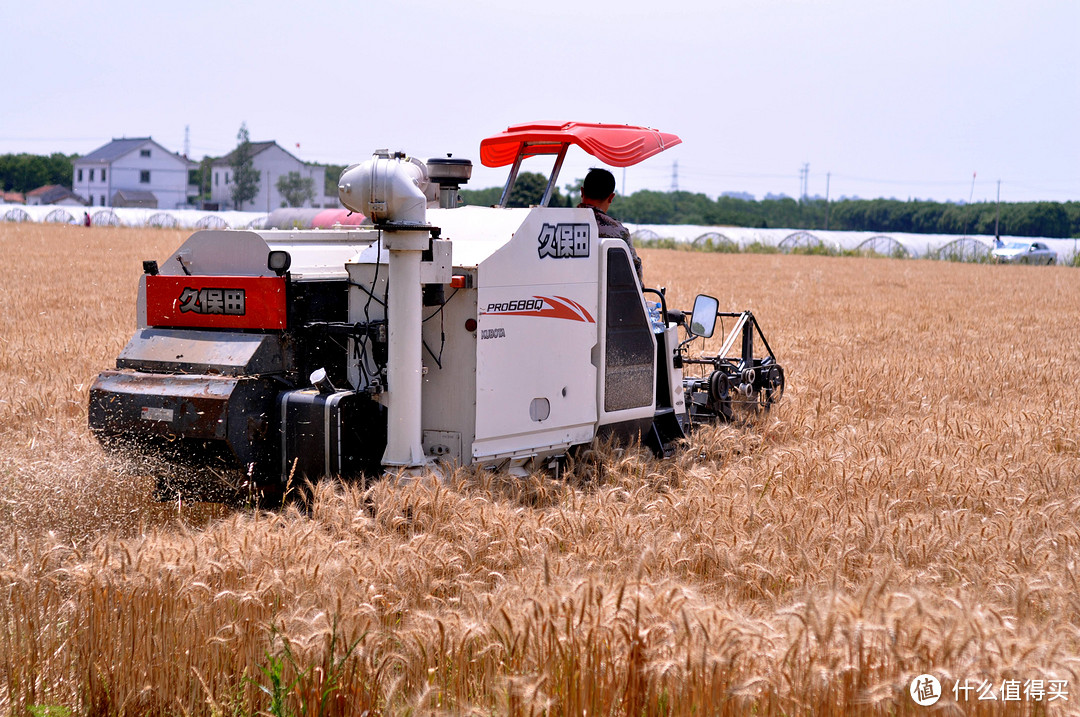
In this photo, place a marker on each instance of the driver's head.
(599, 185)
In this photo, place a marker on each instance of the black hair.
(599, 184)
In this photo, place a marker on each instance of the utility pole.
(997, 215)
(187, 141)
(828, 177)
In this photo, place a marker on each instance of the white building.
(135, 165)
(270, 163)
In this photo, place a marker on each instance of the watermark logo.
(925, 690)
(1012, 690)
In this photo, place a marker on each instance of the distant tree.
(245, 178)
(528, 190)
(200, 177)
(694, 208)
(926, 217)
(1072, 211)
(558, 200)
(645, 207)
(481, 197)
(1036, 219)
(24, 172)
(205, 168)
(295, 189)
(59, 168)
(333, 174)
(1047, 219)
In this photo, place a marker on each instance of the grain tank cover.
(316, 254)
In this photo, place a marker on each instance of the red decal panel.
(224, 302)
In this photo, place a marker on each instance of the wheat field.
(910, 507)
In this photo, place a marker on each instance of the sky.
(912, 99)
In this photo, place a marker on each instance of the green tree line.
(1042, 219)
(25, 172)
(527, 191)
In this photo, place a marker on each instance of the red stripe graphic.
(582, 309)
(554, 308)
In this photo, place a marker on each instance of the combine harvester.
(438, 334)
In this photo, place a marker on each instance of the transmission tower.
(804, 181)
(675, 176)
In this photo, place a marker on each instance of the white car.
(1024, 252)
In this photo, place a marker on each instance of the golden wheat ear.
(910, 511)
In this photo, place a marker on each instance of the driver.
(597, 193)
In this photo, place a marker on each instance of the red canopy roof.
(616, 144)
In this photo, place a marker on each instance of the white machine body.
(513, 367)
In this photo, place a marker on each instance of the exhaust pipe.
(391, 189)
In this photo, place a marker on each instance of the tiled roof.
(53, 193)
(256, 148)
(135, 195)
(116, 148)
(42, 190)
(119, 147)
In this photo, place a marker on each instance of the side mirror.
(703, 320)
